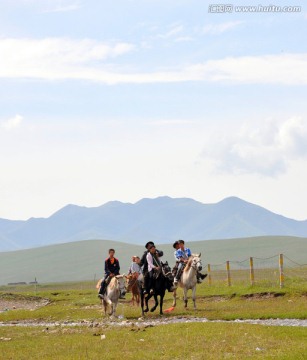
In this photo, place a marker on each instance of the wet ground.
(141, 322)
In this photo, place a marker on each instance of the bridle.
(164, 272)
(121, 285)
(194, 264)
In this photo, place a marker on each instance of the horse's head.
(196, 262)
(168, 275)
(167, 271)
(121, 283)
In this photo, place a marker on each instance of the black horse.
(162, 281)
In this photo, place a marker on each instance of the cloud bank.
(86, 59)
(266, 150)
(12, 123)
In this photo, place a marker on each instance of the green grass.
(78, 301)
(176, 341)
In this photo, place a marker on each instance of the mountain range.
(161, 220)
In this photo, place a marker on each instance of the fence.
(271, 271)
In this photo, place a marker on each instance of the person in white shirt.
(153, 264)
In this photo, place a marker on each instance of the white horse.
(116, 287)
(188, 279)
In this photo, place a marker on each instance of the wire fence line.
(276, 270)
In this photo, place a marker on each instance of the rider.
(111, 269)
(153, 263)
(176, 247)
(144, 265)
(182, 255)
(134, 267)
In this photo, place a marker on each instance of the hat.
(175, 244)
(149, 243)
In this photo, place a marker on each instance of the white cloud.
(184, 39)
(46, 6)
(267, 150)
(60, 7)
(172, 122)
(12, 123)
(216, 29)
(174, 30)
(56, 58)
(86, 59)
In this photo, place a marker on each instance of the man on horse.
(111, 269)
(182, 255)
(144, 263)
(154, 266)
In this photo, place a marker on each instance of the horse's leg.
(138, 300)
(142, 304)
(194, 296)
(146, 302)
(104, 306)
(114, 308)
(156, 303)
(111, 309)
(136, 295)
(174, 298)
(185, 296)
(161, 303)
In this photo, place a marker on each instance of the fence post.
(228, 273)
(251, 271)
(209, 274)
(281, 271)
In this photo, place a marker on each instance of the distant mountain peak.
(161, 219)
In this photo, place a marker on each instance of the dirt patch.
(10, 301)
(218, 298)
(263, 295)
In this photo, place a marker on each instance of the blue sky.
(109, 101)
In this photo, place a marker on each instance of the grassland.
(181, 341)
(78, 302)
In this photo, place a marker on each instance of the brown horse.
(132, 285)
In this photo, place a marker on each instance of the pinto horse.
(162, 281)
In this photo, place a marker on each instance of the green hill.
(84, 260)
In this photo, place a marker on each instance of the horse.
(132, 284)
(162, 281)
(188, 279)
(116, 287)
